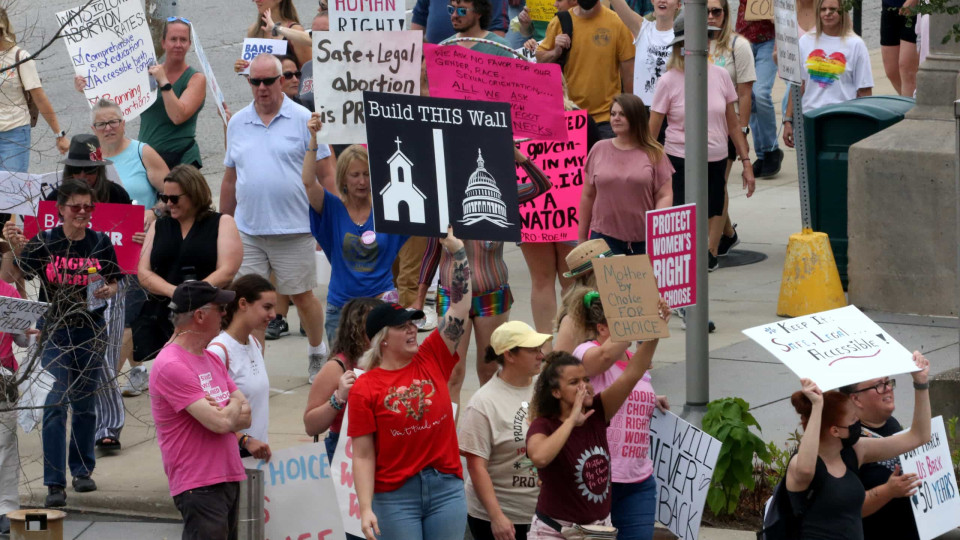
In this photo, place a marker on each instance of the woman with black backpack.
(821, 481)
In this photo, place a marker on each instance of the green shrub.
(729, 421)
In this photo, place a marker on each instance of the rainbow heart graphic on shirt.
(825, 70)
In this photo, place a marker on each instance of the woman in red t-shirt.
(406, 461)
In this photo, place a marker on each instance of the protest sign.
(19, 193)
(552, 217)
(834, 348)
(541, 10)
(208, 73)
(110, 46)
(672, 247)
(18, 315)
(628, 291)
(345, 64)
(367, 15)
(118, 221)
(683, 459)
(342, 472)
(936, 504)
(296, 487)
(254, 47)
(527, 54)
(460, 156)
(789, 66)
(758, 10)
(533, 91)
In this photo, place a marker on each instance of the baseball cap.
(516, 334)
(389, 314)
(192, 295)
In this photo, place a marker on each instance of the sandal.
(108, 443)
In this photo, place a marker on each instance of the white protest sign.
(18, 315)
(683, 460)
(367, 15)
(834, 348)
(789, 66)
(297, 485)
(936, 504)
(19, 193)
(527, 54)
(110, 45)
(342, 472)
(345, 64)
(208, 73)
(254, 47)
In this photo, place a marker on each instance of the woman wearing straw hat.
(580, 262)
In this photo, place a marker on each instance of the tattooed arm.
(451, 326)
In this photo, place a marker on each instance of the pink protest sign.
(552, 217)
(118, 221)
(533, 91)
(672, 247)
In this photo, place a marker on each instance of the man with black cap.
(197, 409)
(600, 62)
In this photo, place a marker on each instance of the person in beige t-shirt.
(502, 488)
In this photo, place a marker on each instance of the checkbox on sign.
(77, 60)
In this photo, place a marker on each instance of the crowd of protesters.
(215, 282)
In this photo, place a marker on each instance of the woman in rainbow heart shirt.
(837, 64)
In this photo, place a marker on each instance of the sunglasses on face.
(290, 74)
(460, 11)
(268, 81)
(100, 126)
(715, 12)
(173, 199)
(220, 308)
(181, 19)
(77, 208)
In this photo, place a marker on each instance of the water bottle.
(94, 282)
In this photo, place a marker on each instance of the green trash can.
(829, 132)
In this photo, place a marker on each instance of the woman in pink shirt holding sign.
(633, 496)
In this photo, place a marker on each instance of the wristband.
(921, 386)
(787, 121)
(276, 30)
(336, 403)
(243, 440)
(313, 149)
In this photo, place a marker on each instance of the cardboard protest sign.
(789, 66)
(552, 217)
(18, 315)
(533, 91)
(208, 73)
(541, 10)
(118, 221)
(19, 193)
(110, 45)
(342, 472)
(296, 487)
(936, 504)
(628, 291)
(672, 247)
(758, 10)
(367, 16)
(345, 64)
(834, 348)
(683, 459)
(254, 47)
(435, 162)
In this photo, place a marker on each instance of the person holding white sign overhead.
(286, 27)
(821, 481)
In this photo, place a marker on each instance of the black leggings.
(480, 529)
(716, 184)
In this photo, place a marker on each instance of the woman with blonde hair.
(286, 26)
(580, 261)
(21, 84)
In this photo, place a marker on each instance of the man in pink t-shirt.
(197, 410)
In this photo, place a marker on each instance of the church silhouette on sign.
(401, 190)
(483, 200)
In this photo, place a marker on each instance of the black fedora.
(85, 152)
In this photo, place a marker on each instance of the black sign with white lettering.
(435, 162)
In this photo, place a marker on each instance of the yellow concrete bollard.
(811, 282)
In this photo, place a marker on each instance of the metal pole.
(695, 170)
(157, 12)
(799, 144)
(956, 114)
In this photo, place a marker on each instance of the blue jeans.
(620, 247)
(514, 38)
(72, 356)
(331, 322)
(15, 149)
(429, 506)
(633, 509)
(763, 118)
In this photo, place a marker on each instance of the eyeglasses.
(100, 126)
(828, 10)
(880, 387)
(460, 11)
(181, 19)
(266, 81)
(715, 12)
(175, 199)
(77, 208)
(291, 74)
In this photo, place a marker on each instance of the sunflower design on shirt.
(414, 400)
(825, 70)
(593, 474)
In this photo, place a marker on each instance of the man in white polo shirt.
(263, 191)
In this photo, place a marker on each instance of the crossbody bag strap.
(226, 355)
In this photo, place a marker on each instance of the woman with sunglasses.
(837, 63)
(285, 27)
(192, 242)
(291, 79)
(72, 336)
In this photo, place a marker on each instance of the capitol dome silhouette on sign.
(483, 200)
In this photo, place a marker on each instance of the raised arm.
(315, 192)
(320, 414)
(631, 18)
(870, 450)
(615, 394)
(599, 359)
(803, 466)
(451, 326)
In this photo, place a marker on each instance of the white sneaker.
(429, 319)
(138, 380)
(316, 362)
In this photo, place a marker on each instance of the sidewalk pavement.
(133, 482)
